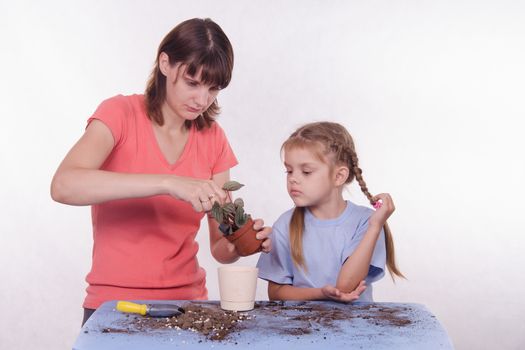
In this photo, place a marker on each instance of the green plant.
(230, 215)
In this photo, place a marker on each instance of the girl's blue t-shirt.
(326, 246)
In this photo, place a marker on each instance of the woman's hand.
(262, 234)
(383, 210)
(333, 293)
(201, 194)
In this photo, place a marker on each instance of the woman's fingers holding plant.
(218, 194)
(205, 195)
(211, 192)
(206, 205)
(201, 194)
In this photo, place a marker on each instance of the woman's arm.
(221, 249)
(355, 268)
(79, 180)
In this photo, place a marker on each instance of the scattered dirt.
(304, 318)
(287, 318)
(385, 315)
(209, 320)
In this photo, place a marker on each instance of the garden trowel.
(153, 310)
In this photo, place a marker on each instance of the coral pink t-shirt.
(145, 248)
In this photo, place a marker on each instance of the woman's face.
(186, 96)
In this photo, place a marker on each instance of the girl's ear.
(341, 174)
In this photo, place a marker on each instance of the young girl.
(326, 247)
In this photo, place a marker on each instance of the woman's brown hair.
(196, 43)
(331, 140)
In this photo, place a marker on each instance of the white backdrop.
(433, 93)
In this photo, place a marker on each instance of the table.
(270, 325)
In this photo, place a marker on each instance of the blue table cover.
(274, 325)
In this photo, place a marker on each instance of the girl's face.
(186, 96)
(309, 180)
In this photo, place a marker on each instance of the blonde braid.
(357, 172)
(389, 242)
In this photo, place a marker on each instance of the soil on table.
(208, 320)
(299, 319)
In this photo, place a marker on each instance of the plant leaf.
(228, 208)
(240, 217)
(216, 212)
(231, 186)
(239, 202)
(243, 220)
(239, 212)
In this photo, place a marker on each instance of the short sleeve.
(376, 269)
(277, 266)
(113, 112)
(224, 156)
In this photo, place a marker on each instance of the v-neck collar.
(161, 155)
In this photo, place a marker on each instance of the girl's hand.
(201, 194)
(383, 211)
(331, 292)
(262, 234)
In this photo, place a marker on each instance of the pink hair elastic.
(378, 204)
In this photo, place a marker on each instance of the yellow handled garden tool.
(153, 310)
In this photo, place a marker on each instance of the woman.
(150, 166)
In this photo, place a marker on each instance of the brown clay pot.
(244, 240)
